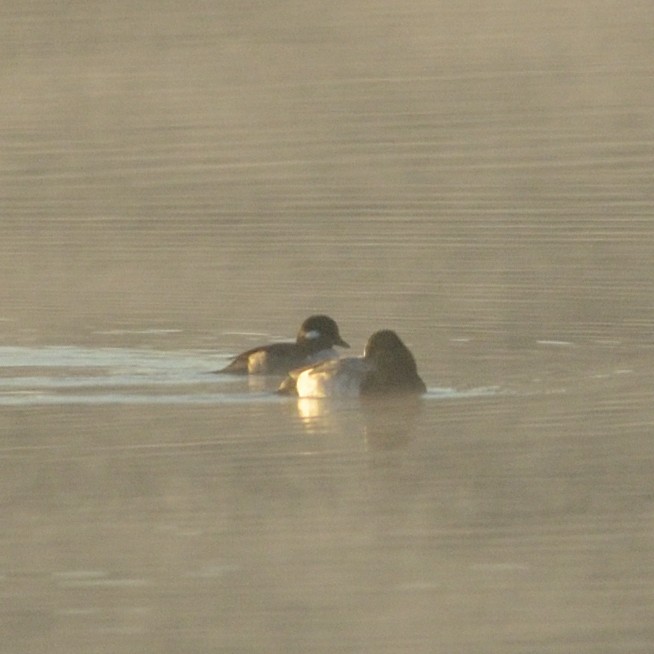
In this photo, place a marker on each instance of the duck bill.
(342, 343)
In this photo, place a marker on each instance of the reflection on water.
(379, 424)
(382, 423)
(183, 181)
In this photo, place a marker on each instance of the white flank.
(336, 378)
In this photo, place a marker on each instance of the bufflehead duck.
(386, 367)
(315, 342)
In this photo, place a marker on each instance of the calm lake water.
(182, 182)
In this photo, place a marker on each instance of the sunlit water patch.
(109, 359)
(72, 375)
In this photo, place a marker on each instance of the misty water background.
(182, 181)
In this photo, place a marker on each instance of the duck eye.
(312, 335)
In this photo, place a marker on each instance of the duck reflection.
(381, 423)
(389, 423)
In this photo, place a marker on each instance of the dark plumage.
(387, 367)
(314, 342)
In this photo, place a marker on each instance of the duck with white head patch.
(314, 342)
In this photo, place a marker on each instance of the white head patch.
(312, 335)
